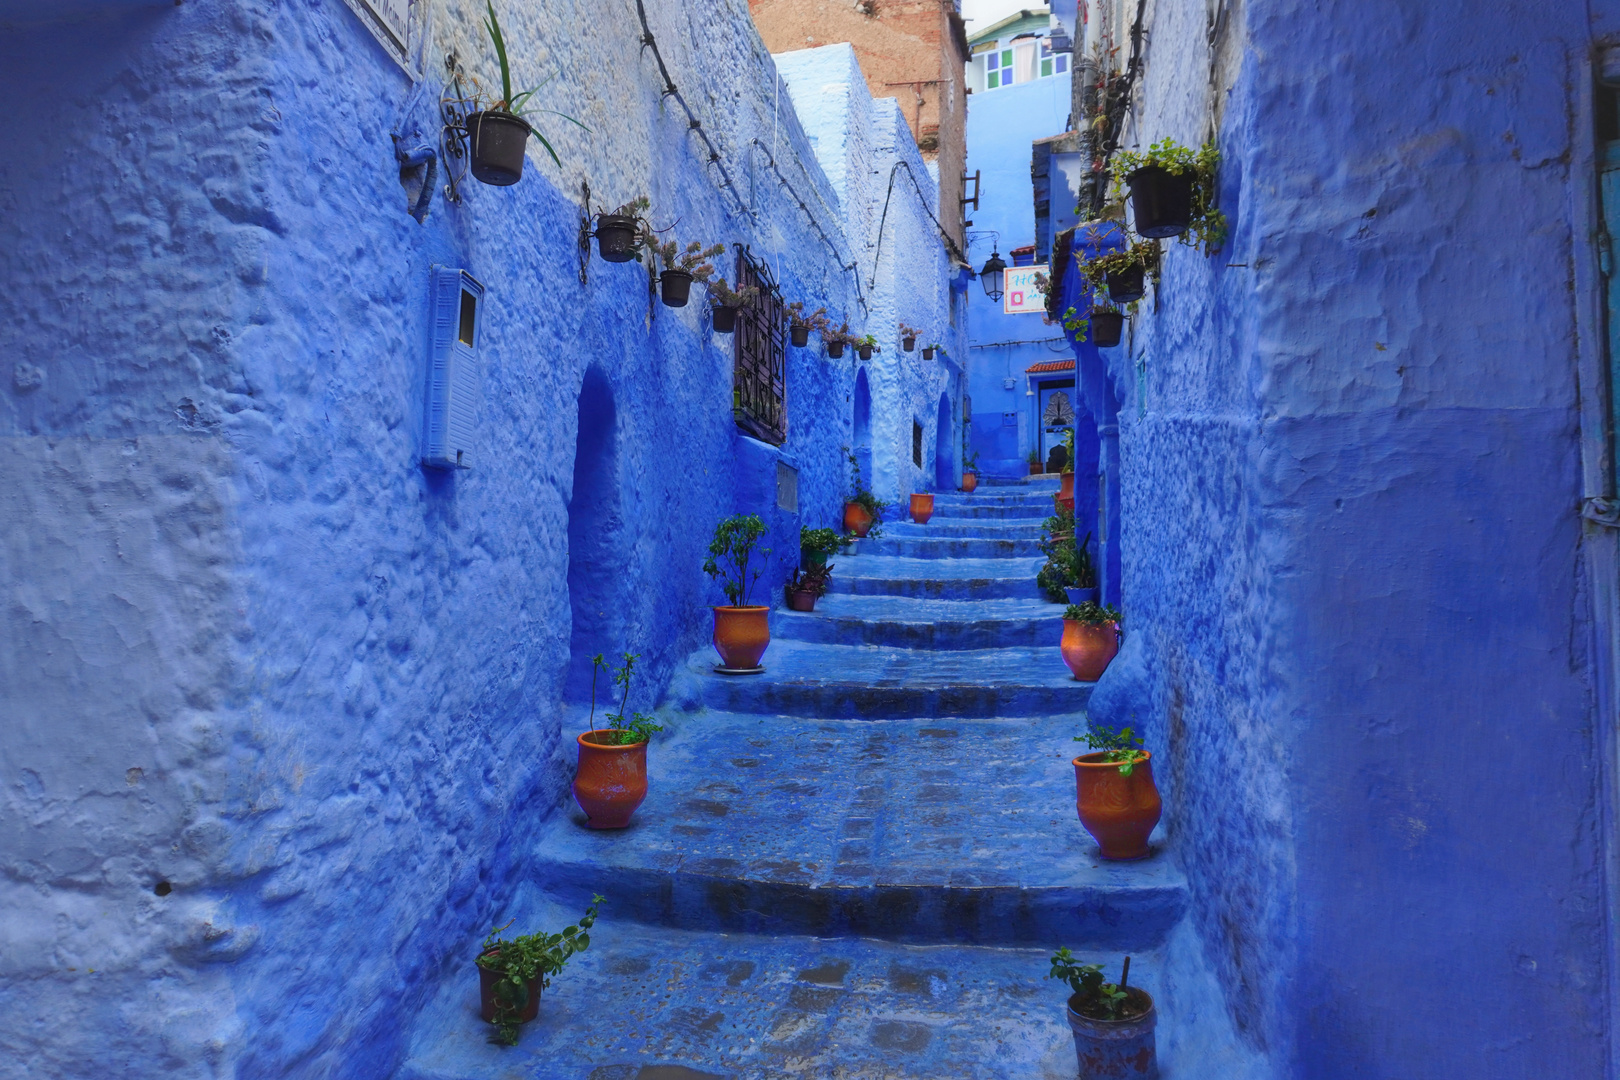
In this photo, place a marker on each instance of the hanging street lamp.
(990, 276)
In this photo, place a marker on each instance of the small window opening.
(916, 444)
(787, 488)
(469, 313)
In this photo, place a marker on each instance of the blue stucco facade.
(257, 658)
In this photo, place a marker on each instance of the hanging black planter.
(1107, 327)
(801, 336)
(616, 237)
(1127, 285)
(835, 349)
(866, 352)
(725, 319)
(910, 344)
(498, 140)
(1161, 201)
(676, 287)
(928, 352)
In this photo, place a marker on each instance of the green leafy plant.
(1093, 614)
(1143, 253)
(529, 958)
(819, 541)
(970, 458)
(868, 342)
(1120, 746)
(1076, 324)
(729, 553)
(516, 104)
(1092, 997)
(864, 498)
(1207, 227)
(639, 727)
(814, 580)
(1035, 457)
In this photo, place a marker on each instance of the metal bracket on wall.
(1604, 512)
(584, 229)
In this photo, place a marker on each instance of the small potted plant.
(866, 346)
(930, 350)
(726, 303)
(611, 781)
(1114, 792)
(816, 546)
(1108, 323)
(498, 133)
(682, 267)
(512, 972)
(620, 234)
(835, 340)
(800, 325)
(742, 631)
(1066, 477)
(970, 470)
(922, 507)
(1123, 273)
(1173, 192)
(804, 588)
(1112, 1022)
(1090, 639)
(1034, 463)
(863, 511)
(908, 338)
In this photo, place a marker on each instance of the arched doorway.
(595, 522)
(944, 447)
(863, 425)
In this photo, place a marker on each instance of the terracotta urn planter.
(1064, 503)
(1034, 470)
(970, 481)
(741, 635)
(486, 994)
(922, 508)
(1088, 649)
(1066, 487)
(1117, 1049)
(856, 519)
(801, 599)
(1118, 811)
(611, 781)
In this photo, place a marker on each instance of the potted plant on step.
(800, 325)
(513, 972)
(1081, 574)
(970, 470)
(908, 338)
(620, 234)
(816, 546)
(612, 777)
(726, 303)
(1112, 1022)
(1114, 792)
(1034, 463)
(866, 346)
(742, 631)
(922, 507)
(863, 511)
(1090, 639)
(1173, 192)
(804, 588)
(1066, 477)
(682, 267)
(498, 133)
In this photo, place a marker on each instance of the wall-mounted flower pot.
(928, 352)
(856, 519)
(866, 352)
(498, 141)
(1078, 595)
(675, 286)
(970, 480)
(612, 779)
(835, 349)
(800, 336)
(801, 599)
(1118, 811)
(487, 981)
(741, 636)
(616, 237)
(1066, 486)
(1127, 285)
(909, 344)
(725, 319)
(1121, 1049)
(1107, 327)
(1088, 649)
(1161, 201)
(922, 507)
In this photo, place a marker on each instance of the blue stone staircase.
(856, 863)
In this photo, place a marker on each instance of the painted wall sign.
(1020, 297)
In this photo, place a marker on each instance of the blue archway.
(944, 447)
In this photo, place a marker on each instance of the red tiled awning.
(1052, 365)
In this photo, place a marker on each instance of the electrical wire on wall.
(770, 161)
(950, 245)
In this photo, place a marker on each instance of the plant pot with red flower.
(1114, 792)
(1112, 1023)
(742, 631)
(512, 972)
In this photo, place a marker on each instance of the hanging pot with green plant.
(1107, 324)
(742, 631)
(499, 133)
(930, 350)
(867, 346)
(611, 780)
(725, 304)
(1112, 1023)
(1173, 192)
(512, 972)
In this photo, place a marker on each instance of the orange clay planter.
(741, 635)
(856, 519)
(610, 784)
(922, 508)
(970, 481)
(1066, 487)
(1118, 811)
(1088, 649)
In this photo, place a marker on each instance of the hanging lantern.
(990, 276)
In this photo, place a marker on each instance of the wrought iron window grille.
(759, 368)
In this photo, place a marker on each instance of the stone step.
(948, 548)
(1021, 512)
(1028, 528)
(929, 830)
(1026, 497)
(874, 682)
(951, 579)
(906, 622)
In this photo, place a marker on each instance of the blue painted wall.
(252, 649)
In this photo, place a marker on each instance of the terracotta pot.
(1118, 811)
(1066, 487)
(970, 481)
(611, 780)
(1088, 650)
(1034, 470)
(922, 508)
(741, 635)
(486, 995)
(1117, 1049)
(801, 599)
(856, 519)
(1065, 504)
